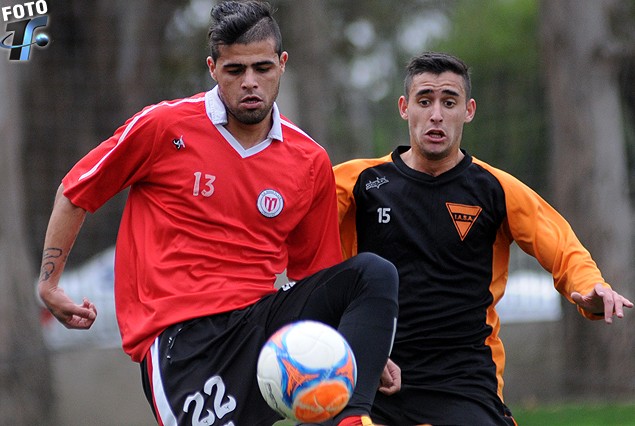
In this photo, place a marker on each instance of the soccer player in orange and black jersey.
(446, 220)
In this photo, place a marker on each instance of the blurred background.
(554, 82)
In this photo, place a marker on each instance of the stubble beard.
(250, 117)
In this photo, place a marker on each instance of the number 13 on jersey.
(206, 180)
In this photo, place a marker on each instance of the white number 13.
(208, 188)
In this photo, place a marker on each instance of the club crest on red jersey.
(270, 203)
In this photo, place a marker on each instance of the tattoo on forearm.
(52, 252)
(49, 259)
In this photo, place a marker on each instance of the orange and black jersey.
(449, 237)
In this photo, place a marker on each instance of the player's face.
(248, 77)
(436, 111)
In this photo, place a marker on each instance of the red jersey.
(207, 224)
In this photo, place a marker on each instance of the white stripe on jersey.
(131, 125)
(164, 412)
(297, 129)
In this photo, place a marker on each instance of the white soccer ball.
(307, 372)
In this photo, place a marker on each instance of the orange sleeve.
(540, 231)
(346, 176)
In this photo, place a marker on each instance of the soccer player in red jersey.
(224, 194)
(447, 220)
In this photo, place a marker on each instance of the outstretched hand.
(390, 381)
(602, 301)
(69, 314)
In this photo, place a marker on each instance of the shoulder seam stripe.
(131, 125)
(299, 130)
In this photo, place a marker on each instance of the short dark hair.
(437, 63)
(242, 22)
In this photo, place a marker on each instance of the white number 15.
(383, 214)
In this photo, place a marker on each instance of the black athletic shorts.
(203, 371)
(199, 368)
(414, 406)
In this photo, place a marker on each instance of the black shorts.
(413, 406)
(203, 371)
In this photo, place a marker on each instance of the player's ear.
(403, 107)
(284, 57)
(470, 110)
(212, 67)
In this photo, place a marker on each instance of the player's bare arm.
(603, 301)
(64, 225)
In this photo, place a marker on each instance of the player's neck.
(248, 135)
(431, 165)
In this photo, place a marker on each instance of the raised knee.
(379, 270)
(376, 262)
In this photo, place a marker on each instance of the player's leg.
(207, 367)
(359, 298)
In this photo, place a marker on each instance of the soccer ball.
(307, 372)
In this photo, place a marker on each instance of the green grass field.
(577, 415)
(568, 415)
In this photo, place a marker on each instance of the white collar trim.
(218, 116)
